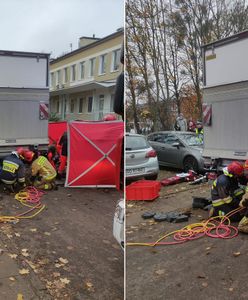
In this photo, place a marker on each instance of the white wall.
(230, 64)
(19, 72)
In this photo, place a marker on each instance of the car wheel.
(190, 163)
(151, 177)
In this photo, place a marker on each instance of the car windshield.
(191, 139)
(136, 142)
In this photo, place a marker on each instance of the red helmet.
(28, 155)
(109, 118)
(235, 168)
(25, 154)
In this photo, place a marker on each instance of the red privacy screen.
(55, 130)
(94, 153)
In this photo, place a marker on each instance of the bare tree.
(164, 39)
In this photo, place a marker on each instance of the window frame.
(82, 69)
(116, 54)
(90, 104)
(103, 64)
(81, 105)
(92, 66)
(73, 72)
(72, 102)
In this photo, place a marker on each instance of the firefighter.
(43, 173)
(226, 193)
(63, 157)
(199, 131)
(243, 224)
(52, 155)
(12, 172)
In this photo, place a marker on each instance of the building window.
(72, 106)
(90, 104)
(52, 80)
(73, 73)
(58, 78)
(112, 102)
(116, 59)
(80, 106)
(57, 106)
(82, 70)
(92, 66)
(65, 75)
(101, 102)
(66, 105)
(102, 65)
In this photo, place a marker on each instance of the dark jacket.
(223, 187)
(63, 143)
(12, 169)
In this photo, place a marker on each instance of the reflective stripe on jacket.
(42, 167)
(12, 169)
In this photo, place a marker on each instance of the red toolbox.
(143, 190)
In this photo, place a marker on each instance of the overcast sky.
(51, 25)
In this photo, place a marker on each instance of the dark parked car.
(177, 149)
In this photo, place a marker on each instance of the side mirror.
(176, 145)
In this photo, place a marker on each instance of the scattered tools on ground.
(204, 178)
(201, 202)
(172, 216)
(148, 215)
(190, 176)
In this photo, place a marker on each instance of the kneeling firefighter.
(243, 224)
(226, 193)
(43, 173)
(12, 173)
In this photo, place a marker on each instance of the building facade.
(82, 82)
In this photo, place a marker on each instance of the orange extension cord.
(215, 227)
(29, 197)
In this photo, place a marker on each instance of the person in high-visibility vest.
(226, 193)
(43, 173)
(12, 172)
(199, 131)
(243, 224)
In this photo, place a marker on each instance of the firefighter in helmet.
(243, 224)
(226, 193)
(43, 173)
(12, 172)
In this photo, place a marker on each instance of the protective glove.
(243, 225)
(244, 201)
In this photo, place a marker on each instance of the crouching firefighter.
(243, 224)
(12, 173)
(43, 173)
(226, 193)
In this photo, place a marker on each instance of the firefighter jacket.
(199, 134)
(42, 167)
(225, 190)
(12, 169)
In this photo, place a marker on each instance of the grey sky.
(51, 25)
